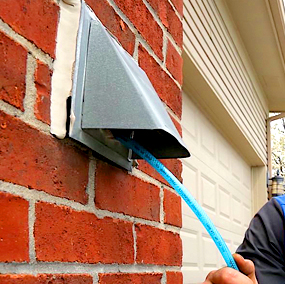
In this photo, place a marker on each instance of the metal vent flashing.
(113, 96)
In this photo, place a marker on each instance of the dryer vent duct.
(113, 96)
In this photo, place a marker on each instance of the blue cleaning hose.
(188, 198)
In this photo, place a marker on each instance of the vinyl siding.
(212, 44)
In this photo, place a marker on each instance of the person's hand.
(228, 275)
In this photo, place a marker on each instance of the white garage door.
(220, 180)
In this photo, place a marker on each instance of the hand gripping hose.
(188, 198)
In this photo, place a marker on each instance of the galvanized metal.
(113, 96)
(110, 149)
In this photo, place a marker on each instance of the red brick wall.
(66, 217)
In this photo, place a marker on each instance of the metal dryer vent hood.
(113, 96)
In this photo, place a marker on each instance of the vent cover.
(113, 96)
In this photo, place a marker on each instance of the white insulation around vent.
(63, 64)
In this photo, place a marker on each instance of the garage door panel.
(212, 193)
(199, 151)
(247, 179)
(237, 169)
(220, 180)
(224, 156)
(237, 211)
(208, 194)
(240, 176)
(246, 215)
(224, 204)
(190, 142)
(193, 275)
(191, 179)
(195, 223)
(191, 122)
(207, 151)
(210, 253)
(191, 248)
(208, 139)
(190, 136)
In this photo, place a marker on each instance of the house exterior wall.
(66, 216)
(224, 124)
(212, 43)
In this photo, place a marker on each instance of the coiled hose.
(187, 197)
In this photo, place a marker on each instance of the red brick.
(174, 165)
(14, 230)
(46, 279)
(43, 85)
(12, 71)
(172, 208)
(169, 19)
(118, 191)
(176, 124)
(174, 26)
(174, 277)
(155, 246)
(142, 19)
(178, 4)
(62, 234)
(111, 20)
(36, 20)
(174, 62)
(130, 278)
(166, 88)
(39, 161)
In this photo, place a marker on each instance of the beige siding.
(211, 43)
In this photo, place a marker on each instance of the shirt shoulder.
(264, 242)
(281, 201)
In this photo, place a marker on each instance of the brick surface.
(172, 208)
(175, 27)
(14, 231)
(118, 191)
(174, 277)
(62, 234)
(12, 71)
(142, 19)
(43, 86)
(178, 4)
(169, 19)
(174, 62)
(38, 161)
(130, 278)
(36, 20)
(176, 124)
(166, 88)
(111, 20)
(174, 165)
(46, 279)
(155, 246)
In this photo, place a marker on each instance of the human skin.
(228, 275)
